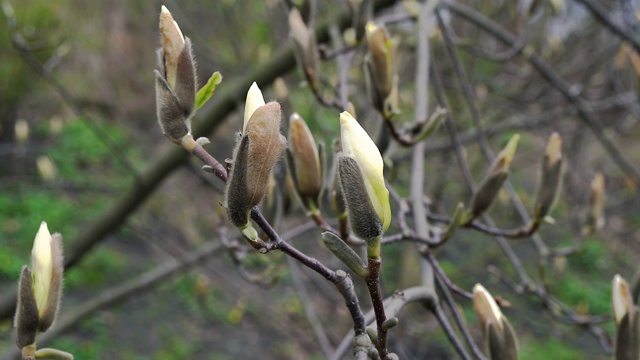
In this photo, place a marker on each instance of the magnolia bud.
(175, 81)
(626, 315)
(305, 47)
(550, 177)
(254, 157)
(596, 202)
(492, 182)
(358, 146)
(21, 130)
(39, 289)
(304, 161)
(380, 72)
(500, 338)
(346, 254)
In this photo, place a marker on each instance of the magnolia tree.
(360, 195)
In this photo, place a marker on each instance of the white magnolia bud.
(42, 266)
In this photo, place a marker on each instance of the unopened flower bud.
(380, 69)
(358, 147)
(21, 131)
(304, 161)
(596, 202)
(500, 338)
(550, 177)
(627, 321)
(492, 182)
(621, 298)
(175, 81)
(305, 47)
(346, 254)
(254, 157)
(40, 288)
(46, 168)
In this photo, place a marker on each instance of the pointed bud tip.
(621, 298)
(485, 307)
(254, 101)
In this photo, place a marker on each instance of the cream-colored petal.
(254, 101)
(42, 266)
(486, 308)
(621, 298)
(172, 44)
(357, 144)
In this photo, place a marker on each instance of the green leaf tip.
(205, 93)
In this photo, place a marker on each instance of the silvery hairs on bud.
(175, 106)
(27, 319)
(254, 157)
(365, 222)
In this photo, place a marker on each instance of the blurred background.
(78, 135)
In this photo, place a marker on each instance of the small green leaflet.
(204, 94)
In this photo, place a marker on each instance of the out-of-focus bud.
(346, 254)
(380, 70)
(500, 338)
(21, 131)
(175, 81)
(360, 151)
(46, 168)
(596, 203)
(281, 89)
(621, 298)
(303, 159)
(254, 101)
(626, 315)
(304, 46)
(40, 288)
(550, 177)
(492, 182)
(254, 157)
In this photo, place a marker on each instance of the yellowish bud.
(596, 202)
(305, 158)
(42, 266)
(621, 298)
(22, 131)
(172, 44)
(486, 308)
(46, 168)
(254, 101)
(357, 145)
